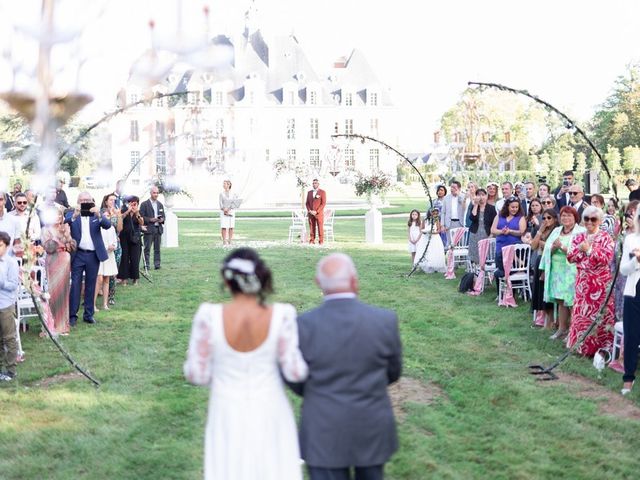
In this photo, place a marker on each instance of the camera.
(85, 209)
(565, 183)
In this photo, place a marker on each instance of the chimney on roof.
(341, 62)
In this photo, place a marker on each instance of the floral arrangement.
(168, 185)
(378, 183)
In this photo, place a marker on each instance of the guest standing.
(114, 214)
(534, 217)
(9, 283)
(108, 268)
(152, 212)
(482, 215)
(228, 205)
(549, 223)
(415, 232)
(132, 221)
(560, 275)
(630, 266)
(453, 212)
(316, 201)
(85, 222)
(240, 350)
(591, 252)
(58, 244)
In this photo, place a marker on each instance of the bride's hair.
(245, 272)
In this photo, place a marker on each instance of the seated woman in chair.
(508, 227)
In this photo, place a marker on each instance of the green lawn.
(491, 419)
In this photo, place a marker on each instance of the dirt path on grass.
(63, 377)
(410, 390)
(609, 403)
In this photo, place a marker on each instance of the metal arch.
(546, 373)
(364, 138)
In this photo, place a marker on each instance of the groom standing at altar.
(316, 201)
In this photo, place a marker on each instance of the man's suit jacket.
(316, 204)
(445, 215)
(146, 210)
(95, 224)
(353, 351)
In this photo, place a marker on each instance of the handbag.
(466, 282)
(134, 236)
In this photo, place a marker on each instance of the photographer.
(562, 192)
(130, 236)
(152, 212)
(85, 222)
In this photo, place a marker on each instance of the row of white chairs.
(299, 223)
(519, 274)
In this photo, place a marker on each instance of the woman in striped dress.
(57, 242)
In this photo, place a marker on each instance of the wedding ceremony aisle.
(466, 405)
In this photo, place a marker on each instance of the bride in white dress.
(434, 260)
(238, 350)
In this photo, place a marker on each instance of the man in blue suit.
(85, 221)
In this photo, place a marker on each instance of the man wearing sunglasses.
(577, 201)
(21, 212)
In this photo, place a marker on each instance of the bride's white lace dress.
(251, 431)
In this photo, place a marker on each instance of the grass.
(491, 421)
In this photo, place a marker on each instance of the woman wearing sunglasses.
(559, 274)
(543, 311)
(591, 252)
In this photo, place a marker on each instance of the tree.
(613, 159)
(631, 159)
(581, 165)
(617, 121)
(19, 144)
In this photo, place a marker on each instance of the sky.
(567, 52)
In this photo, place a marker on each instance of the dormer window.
(348, 99)
(194, 98)
(373, 99)
(133, 97)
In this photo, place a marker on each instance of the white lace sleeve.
(294, 368)
(197, 368)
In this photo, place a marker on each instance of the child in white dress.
(415, 232)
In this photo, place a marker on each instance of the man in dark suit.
(562, 192)
(152, 212)
(354, 352)
(316, 201)
(85, 221)
(577, 199)
(530, 195)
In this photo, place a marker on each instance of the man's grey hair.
(592, 211)
(334, 272)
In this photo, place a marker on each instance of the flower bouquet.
(376, 184)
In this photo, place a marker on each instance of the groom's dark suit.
(87, 261)
(353, 351)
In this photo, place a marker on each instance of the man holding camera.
(152, 212)
(562, 192)
(85, 222)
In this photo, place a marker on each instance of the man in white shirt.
(507, 191)
(21, 212)
(453, 211)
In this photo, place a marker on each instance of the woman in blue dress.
(508, 227)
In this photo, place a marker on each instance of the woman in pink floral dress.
(57, 242)
(592, 252)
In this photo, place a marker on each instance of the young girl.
(415, 232)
